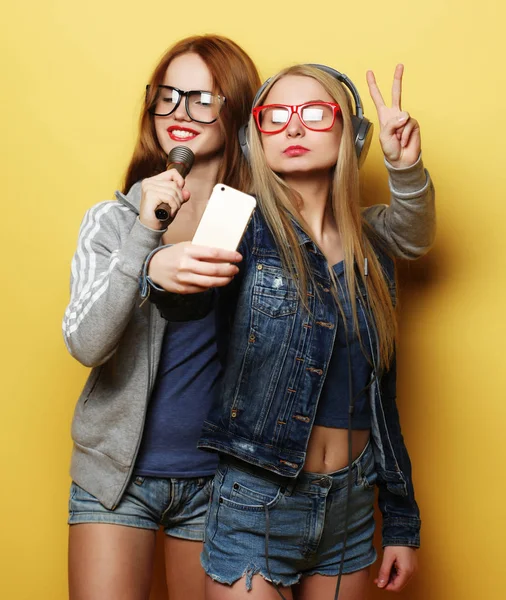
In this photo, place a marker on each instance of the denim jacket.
(276, 356)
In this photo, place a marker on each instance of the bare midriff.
(328, 448)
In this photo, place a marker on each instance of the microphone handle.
(162, 211)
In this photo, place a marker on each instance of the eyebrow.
(167, 85)
(306, 102)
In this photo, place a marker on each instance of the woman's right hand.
(166, 187)
(399, 132)
(185, 268)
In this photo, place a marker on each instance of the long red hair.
(235, 76)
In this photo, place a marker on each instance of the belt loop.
(289, 488)
(359, 474)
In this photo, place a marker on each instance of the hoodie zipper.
(148, 393)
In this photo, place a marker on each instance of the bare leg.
(185, 576)
(110, 562)
(261, 590)
(353, 587)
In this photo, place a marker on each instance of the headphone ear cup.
(243, 131)
(362, 130)
(243, 141)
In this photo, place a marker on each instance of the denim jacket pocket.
(274, 294)
(394, 483)
(399, 489)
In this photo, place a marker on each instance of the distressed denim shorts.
(261, 523)
(179, 505)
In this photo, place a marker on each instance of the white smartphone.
(225, 218)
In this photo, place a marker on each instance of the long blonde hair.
(279, 202)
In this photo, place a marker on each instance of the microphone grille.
(181, 154)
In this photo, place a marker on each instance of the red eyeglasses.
(316, 116)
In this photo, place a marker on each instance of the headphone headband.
(359, 111)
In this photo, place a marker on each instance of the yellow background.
(72, 83)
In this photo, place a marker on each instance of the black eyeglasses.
(201, 106)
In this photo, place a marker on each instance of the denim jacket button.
(260, 267)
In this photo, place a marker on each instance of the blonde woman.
(306, 424)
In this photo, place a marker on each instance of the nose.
(295, 127)
(180, 113)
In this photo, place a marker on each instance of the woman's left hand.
(399, 564)
(399, 133)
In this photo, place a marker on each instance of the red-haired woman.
(135, 464)
(136, 467)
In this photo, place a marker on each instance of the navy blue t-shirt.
(334, 399)
(187, 381)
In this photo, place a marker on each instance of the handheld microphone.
(180, 158)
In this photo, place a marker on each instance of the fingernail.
(403, 118)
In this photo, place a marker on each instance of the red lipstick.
(295, 151)
(174, 132)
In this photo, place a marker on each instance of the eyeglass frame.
(186, 95)
(295, 109)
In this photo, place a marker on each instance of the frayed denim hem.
(352, 567)
(249, 572)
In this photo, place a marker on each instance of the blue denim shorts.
(254, 515)
(179, 505)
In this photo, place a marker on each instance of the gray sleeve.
(408, 224)
(105, 281)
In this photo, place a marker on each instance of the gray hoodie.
(107, 328)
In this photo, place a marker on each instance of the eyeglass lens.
(200, 105)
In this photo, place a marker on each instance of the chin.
(294, 169)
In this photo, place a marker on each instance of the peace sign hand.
(399, 133)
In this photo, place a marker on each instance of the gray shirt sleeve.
(105, 280)
(408, 224)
